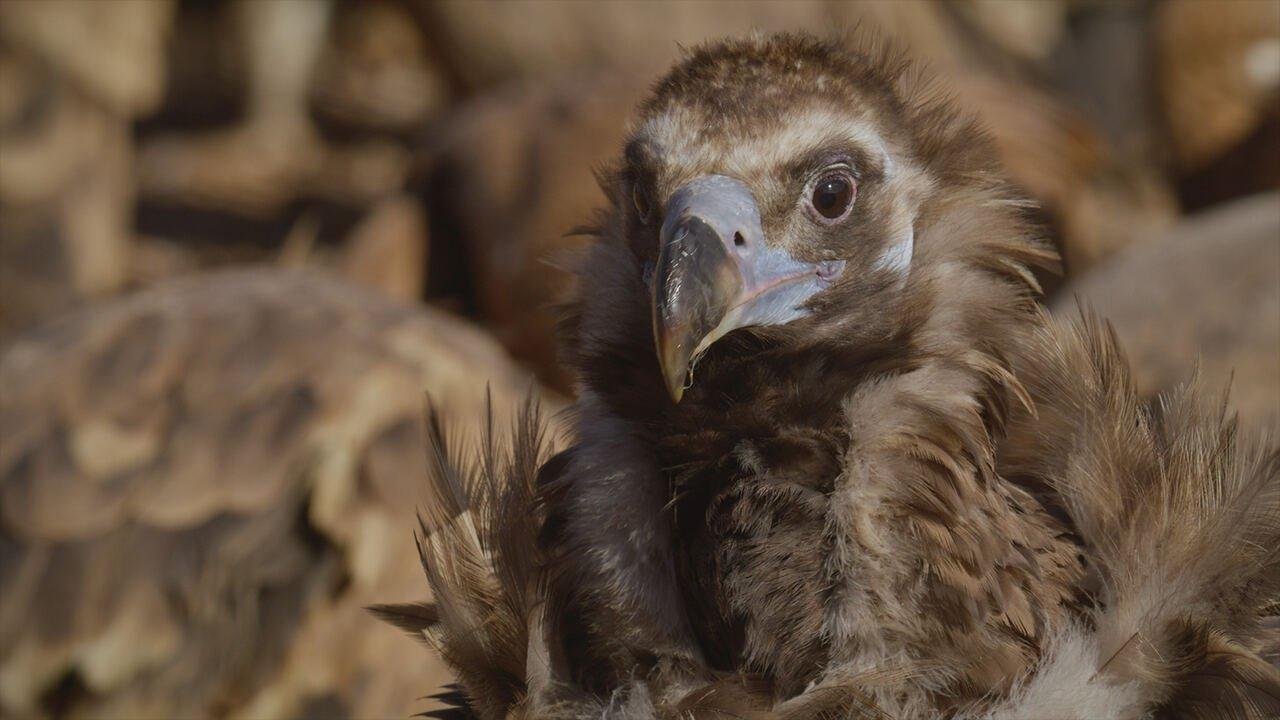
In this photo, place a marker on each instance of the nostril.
(739, 240)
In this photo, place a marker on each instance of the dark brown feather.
(413, 618)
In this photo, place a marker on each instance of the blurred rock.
(257, 166)
(1103, 70)
(385, 250)
(253, 170)
(388, 250)
(1219, 73)
(156, 260)
(284, 41)
(204, 483)
(1251, 167)
(507, 179)
(1106, 208)
(1207, 292)
(377, 70)
(489, 44)
(486, 44)
(72, 76)
(1105, 67)
(1093, 205)
(112, 50)
(1029, 30)
(276, 155)
(258, 170)
(65, 199)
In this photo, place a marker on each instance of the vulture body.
(201, 487)
(831, 458)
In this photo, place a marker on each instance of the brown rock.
(66, 194)
(376, 71)
(111, 50)
(489, 44)
(388, 249)
(73, 75)
(509, 180)
(1219, 73)
(1207, 292)
(277, 154)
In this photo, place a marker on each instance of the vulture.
(201, 485)
(830, 457)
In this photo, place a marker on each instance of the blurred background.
(239, 240)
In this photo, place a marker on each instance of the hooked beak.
(715, 274)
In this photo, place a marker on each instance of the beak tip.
(675, 370)
(676, 391)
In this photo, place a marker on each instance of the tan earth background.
(240, 240)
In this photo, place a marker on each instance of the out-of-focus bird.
(201, 487)
(832, 459)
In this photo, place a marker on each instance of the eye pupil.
(832, 196)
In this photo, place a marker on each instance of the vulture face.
(767, 190)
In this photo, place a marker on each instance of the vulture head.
(775, 191)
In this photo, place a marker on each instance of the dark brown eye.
(641, 202)
(833, 194)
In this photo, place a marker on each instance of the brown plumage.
(883, 483)
(201, 487)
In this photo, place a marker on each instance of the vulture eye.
(833, 195)
(641, 202)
